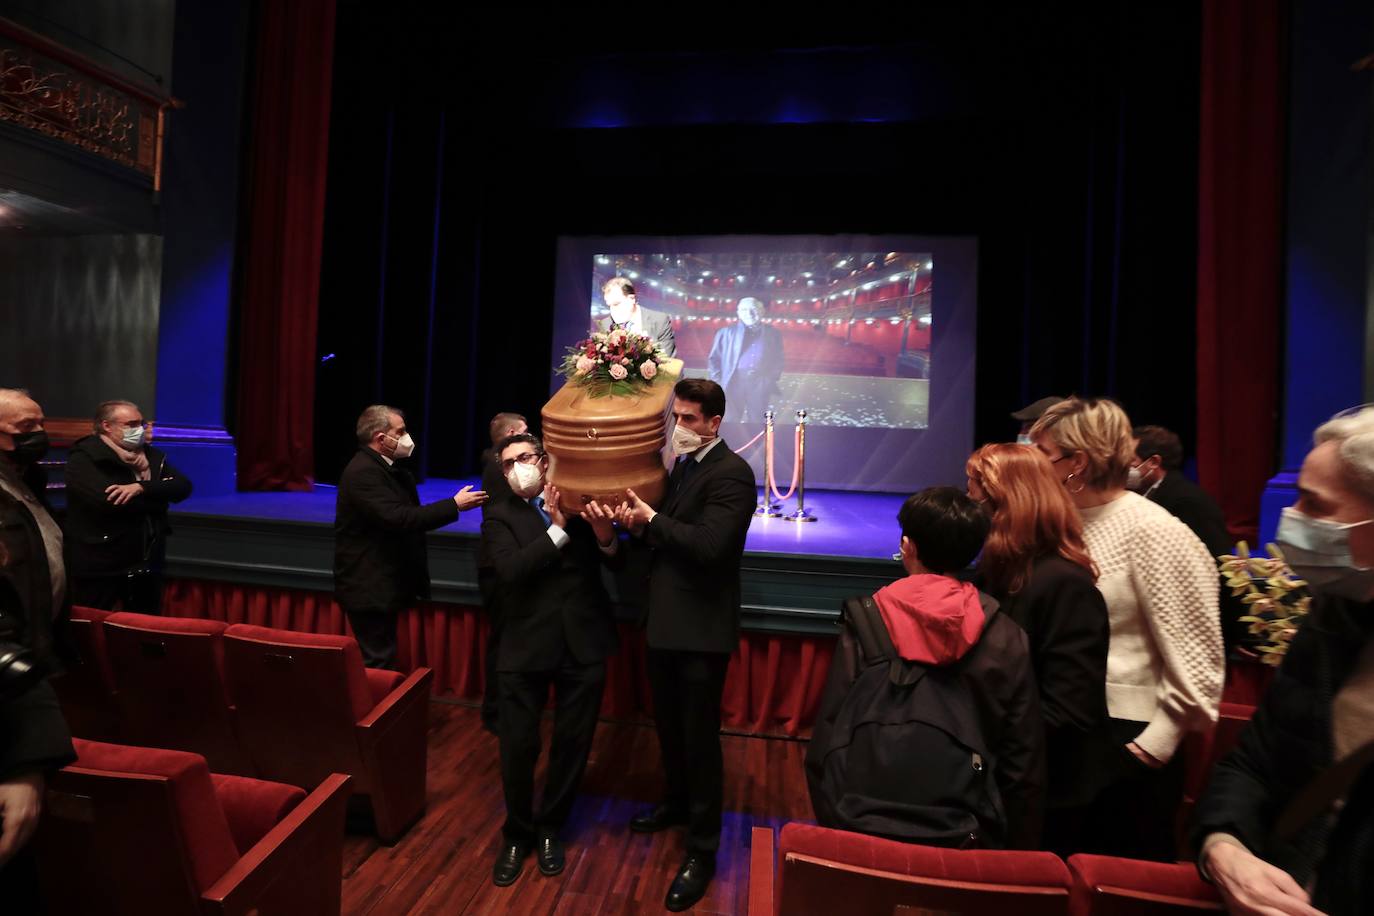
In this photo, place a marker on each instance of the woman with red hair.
(1035, 563)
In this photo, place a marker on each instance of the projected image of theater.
(845, 335)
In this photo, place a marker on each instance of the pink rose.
(648, 368)
(585, 365)
(618, 371)
(624, 360)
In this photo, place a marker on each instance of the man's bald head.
(19, 414)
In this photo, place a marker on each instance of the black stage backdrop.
(1063, 138)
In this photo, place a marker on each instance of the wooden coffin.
(599, 447)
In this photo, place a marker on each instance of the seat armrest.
(414, 688)
(297, 867)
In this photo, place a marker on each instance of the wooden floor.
(443, 865)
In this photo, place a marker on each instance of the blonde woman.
(1165, 662)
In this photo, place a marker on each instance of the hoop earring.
(1072, 492)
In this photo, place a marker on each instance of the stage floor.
(853, 525)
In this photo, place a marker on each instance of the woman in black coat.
(1035, 563)
(118, 491)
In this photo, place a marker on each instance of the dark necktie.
(687, 467)
(538, 503)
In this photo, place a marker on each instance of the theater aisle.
(443, 865)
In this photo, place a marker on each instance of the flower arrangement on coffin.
(612, 362)
(1277, 599)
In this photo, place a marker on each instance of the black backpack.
(897, 750)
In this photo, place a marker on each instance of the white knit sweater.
(1165, 660)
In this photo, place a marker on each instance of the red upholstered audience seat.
(86, 687)
(824, 871)
(169, 685)
(143, 830)
(307, 708)
(1107, 886)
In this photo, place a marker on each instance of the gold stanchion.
(802, 514)
(768, 506)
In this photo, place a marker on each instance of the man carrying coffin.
(556, 629)
(693, 622)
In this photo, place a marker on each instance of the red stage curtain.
(773, 686)
(285, 227)
(1239, 274)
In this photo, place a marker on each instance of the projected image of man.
(747, 359)
(626, 312)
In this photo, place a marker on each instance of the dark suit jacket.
(698, 541)
(380, 559)
(102, 538)
(729, 344)
(552, 601)
(496, 487)
(33, 734)
(1287, 745)
(656, 325)
(1196, 508)
(1065, 620)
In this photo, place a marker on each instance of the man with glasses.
(118, 490)
(380, 561)
(502, 425)
(557, 632)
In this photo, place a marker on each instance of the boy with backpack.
(929, 728)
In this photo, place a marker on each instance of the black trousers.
(19, 889)
(577, 699)
(1132, 816)
(749, 396)
(375, 632)
(687, 689)
(491, 687)
(140, 593)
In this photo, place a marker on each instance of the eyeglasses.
(526, 458)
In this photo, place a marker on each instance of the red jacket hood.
(932, 619)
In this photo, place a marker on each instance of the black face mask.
(30, 447)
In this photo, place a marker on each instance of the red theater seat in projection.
(130, 830)
(86, 688)
(823, 354)
(307, 708)
(169, 685)
(821, 871)
(1108, 886)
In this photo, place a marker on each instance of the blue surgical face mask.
(1024, 439)
(1318, 550)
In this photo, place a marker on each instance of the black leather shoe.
(550, 852)
(692, 880)
(657, 818)
(510, 862)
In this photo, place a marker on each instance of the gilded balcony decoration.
(59, 94)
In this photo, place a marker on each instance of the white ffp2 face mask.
(685, 441)
(526, 480)
(405, 447)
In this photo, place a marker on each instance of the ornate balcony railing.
(62, 95)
